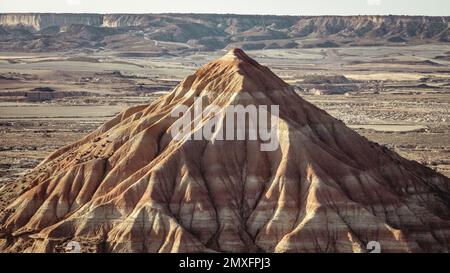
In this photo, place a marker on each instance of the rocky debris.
(397, 39)
(43, 89)
(141, 88)
(42, 94)
(14, 76)
(326, 89)
(320, 44)
(326, 84)
(130, 187)
(6, 78)
(325, 79)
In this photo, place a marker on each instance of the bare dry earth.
(397, 96)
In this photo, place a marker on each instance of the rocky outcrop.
(41, 95)
(44, 20)
(131, 186)
(212, 31)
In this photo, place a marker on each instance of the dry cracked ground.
(396, 96)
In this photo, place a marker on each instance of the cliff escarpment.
(44, 32)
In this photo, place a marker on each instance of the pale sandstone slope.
(130, 187)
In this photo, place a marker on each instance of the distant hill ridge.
(217, 31)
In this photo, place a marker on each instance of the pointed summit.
(239, 55)
(130, 186)
(233, 72)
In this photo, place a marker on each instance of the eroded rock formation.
(129, 186)
(62, 32)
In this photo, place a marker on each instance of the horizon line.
(238, 14)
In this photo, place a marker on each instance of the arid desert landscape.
(397, 96)
(393, 92)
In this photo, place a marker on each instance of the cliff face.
(41, 21)
(212, 31)
(232, 24)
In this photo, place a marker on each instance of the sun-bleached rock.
(129, 186)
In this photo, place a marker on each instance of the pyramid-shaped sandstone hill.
(130, 186)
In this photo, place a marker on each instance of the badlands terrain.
(154, 34)
(389, 85)
(396, 96)
(106, 188)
